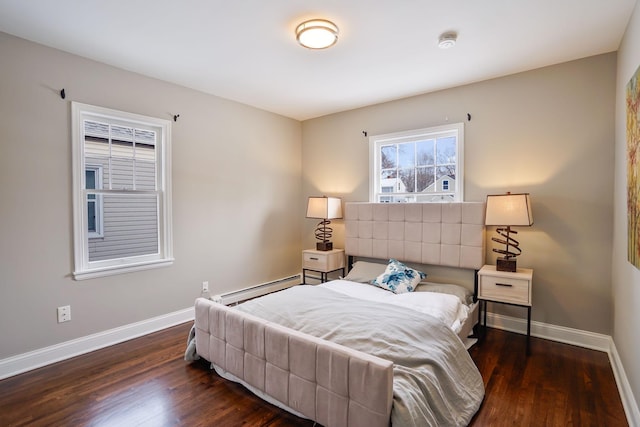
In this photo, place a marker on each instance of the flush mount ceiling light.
(447, 40)
(317, 34)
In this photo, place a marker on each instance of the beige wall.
(548, 132)
(626, 278)
(236, 189)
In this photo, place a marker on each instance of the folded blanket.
(190, 353)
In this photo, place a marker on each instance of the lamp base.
(324, 246)
(506, 264)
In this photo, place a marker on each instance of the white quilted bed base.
(320, 380)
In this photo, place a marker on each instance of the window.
(122, 198)
(424, 165)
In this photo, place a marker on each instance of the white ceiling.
(245, 50)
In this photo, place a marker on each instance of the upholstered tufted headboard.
(449, 234)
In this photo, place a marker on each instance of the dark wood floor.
(146, 382)
(556, 385)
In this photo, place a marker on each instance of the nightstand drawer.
(314, 261)
(504, 289)
(323, 260)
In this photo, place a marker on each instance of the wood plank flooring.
(556, 385)
(146, 382)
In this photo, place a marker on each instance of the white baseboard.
(561, 334)
(626, 394)
(258, 290)
(45, 356)
(578, 338)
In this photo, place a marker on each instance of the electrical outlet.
(64, 313)
(205, 286)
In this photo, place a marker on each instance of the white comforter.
(445, 307)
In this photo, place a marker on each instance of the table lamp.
(325, 208)
(505, 211)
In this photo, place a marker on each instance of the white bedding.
(445, 307)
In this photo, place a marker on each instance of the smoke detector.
(447, 40)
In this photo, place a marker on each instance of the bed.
(343, 353)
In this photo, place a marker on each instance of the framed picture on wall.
(633, 169)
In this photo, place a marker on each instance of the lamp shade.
(509, 209)
(324, 207)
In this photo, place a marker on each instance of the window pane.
(90, 179)
(389, 173)
(434, 198)
(96, 129)
(130, 227)
(145, 157)
(91, 213)
(145, 175)
(147, 137)
(121, 133)
(424, 179)
(446, 171)
(388, 157)
(425, 152)
(407, 155)
(446, 150)
(388, 180)
(122, 149)
(408, 180)
(122, 174)
(397, 199)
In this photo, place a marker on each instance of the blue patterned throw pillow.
(398, 278)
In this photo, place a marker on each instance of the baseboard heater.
(234, 297)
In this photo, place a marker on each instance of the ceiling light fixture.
(317, 34)
(447, 40)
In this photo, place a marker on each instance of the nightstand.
(323, 262)
(506, 288)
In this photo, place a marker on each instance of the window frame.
(377, 141)
(83, 267)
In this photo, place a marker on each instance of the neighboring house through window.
(93, 181)
(423, 165)
(122, 200)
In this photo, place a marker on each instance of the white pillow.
(365, 272)
(399, 278)
(464, 295)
